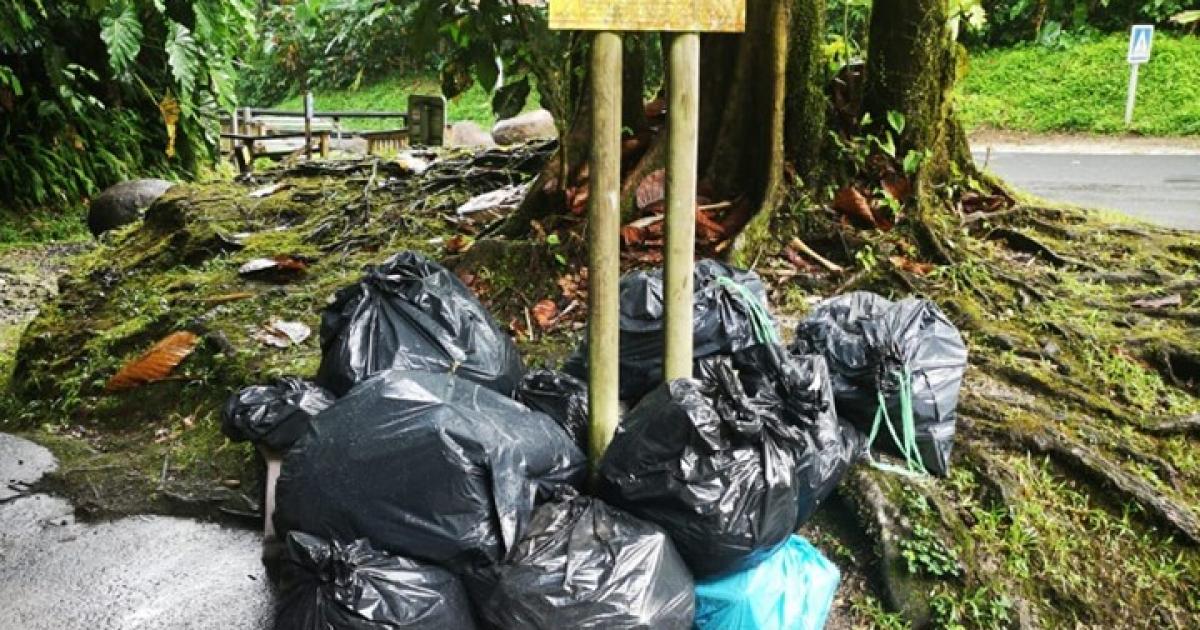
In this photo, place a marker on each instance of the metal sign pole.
(604, 243)
(1132, 95)
(683, 116)
(1141, 39)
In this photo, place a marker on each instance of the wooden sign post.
(686, 19)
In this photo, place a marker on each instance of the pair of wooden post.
(604, 223)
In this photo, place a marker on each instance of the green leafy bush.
(1082, 88)
(95, 92)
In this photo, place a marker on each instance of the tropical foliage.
(1060, 22)
(326, 44)
(98, 91)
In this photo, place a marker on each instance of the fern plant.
(82, 86)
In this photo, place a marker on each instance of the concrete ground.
(147, 572)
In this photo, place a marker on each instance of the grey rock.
(533, 125)
(124, 203)
(468, 134)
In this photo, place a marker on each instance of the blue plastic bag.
(792, 589)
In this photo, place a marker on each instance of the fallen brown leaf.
(910, 265)
(898, 187)
(155, 364)
(854, 206)
(282, 334)
(650, 189)
(545, 313)
(458, 243)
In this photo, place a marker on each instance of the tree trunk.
(912, 66)
(804, 125)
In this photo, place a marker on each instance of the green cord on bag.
(760, 319)
(906, 442)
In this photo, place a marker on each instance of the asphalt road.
(138, 573)
(1159, 188)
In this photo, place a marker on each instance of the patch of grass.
(42, 226)
(871, 611)
(391, 94)
(978, 608)
(1082, 89)
(10, 338)
(1049, 543)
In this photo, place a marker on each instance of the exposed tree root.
(1024, 243)
(881, 520)
(1077, 456)
(1065, 389)
(1189, 426)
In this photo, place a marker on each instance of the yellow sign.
(727, 16)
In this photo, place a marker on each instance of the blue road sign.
(1140, 39)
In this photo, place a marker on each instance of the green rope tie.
(906, 442)
(760, 319)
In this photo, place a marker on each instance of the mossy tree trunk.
(912, 65)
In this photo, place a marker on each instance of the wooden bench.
(392, 140)
(246, 148)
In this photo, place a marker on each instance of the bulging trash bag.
(799, 388)
(834, 329)
(560, 396)
(411, 313)
(729, 314)
(906, 355)
(792, 589)
(583, 564)
(273, 415)
(428, 466)
(713, 468)
(334, 586)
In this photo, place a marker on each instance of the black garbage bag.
(273, 415)
(834, 329)
(428, 466)
(906, 353)
(714, 468)
(560, 396)
(334, 586)
(411, 313)
(800, 389)
(585, 565)
(729, 314)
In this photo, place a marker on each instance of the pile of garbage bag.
(425, 465)
(584, 564)
(560, 396)
(897, 366)
(727, 473)
(428, 481)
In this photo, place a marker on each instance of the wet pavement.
(1161, 188)
(145, 572)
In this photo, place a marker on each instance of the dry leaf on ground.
(156, 363)
(545, 313)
